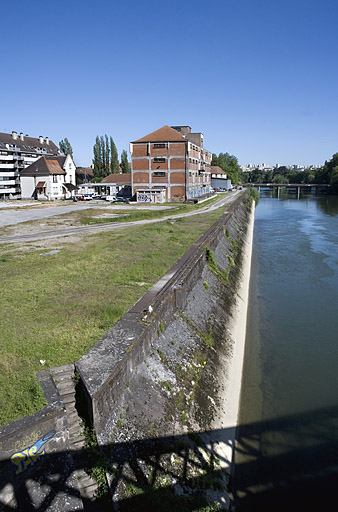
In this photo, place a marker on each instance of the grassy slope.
(55, 307)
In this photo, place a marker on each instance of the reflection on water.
(291, 351)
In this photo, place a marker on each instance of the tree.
(105, 157)
(107, 153)
(114, 158)
(124, 162)
(66, 147)
(280, 179)
(329, 174)
(97, 159)
(255, 176)
(229, 164)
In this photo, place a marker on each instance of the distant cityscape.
(267, 167)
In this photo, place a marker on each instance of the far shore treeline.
(326, 175)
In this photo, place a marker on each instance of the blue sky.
(258, 77)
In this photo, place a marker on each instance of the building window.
(159, 159)
(159, 174)
(159, 146)
(55, 178)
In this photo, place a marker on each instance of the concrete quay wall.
(107, 368)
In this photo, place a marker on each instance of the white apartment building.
(18, 152)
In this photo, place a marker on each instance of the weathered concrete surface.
(36, 468)
(161, 413)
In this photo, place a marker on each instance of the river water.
(287, 439)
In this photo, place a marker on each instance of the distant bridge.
(296, 186)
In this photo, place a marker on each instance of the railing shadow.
(187, 472)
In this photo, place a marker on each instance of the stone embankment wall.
(107, 367)
(170, 370)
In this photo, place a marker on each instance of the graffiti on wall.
(143, 198)
(28, 457)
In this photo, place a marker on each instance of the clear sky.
(258, 77)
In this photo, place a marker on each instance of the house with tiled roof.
(49, 177)
(18, 151)
(219, 179)
(170, 164)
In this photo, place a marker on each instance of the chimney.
(41, 139)
(47, 140)
(14, 135)
(21, 136)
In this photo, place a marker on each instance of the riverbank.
(230, 382)
(164, 383)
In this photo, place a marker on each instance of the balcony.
(11, 190)
(6, 166)
(4, 174)
(9, 180)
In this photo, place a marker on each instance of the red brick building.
(170, 164)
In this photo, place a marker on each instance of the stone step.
(65, 387)
(73, 419)
(74, 439)
(89, 492)
(78, 445)
(75, 431)
(84, 479)
(64, 380)
(66, 368)
(68, 398)
(61, 379)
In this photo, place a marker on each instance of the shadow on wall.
(186, 472)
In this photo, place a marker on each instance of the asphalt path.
(76, 230)
(9, 216)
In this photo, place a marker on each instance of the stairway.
(64, 379)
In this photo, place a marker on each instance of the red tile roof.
(215, 169)
(123, 179)
(42, 167)
(164, 134)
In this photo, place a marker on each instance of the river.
(287, 439)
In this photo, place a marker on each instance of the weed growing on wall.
(212, 265)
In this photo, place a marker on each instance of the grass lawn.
(55, 307)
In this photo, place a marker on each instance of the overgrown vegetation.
(54, 308)
(212, 265)
(253, 195)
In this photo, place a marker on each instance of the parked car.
(110, 198)
(80, 198)
(121, 200)
(87, 197)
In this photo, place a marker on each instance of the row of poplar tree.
(106, 159)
